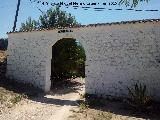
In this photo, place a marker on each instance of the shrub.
(139, 97)
(83, 105)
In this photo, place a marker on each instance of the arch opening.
(67, 63)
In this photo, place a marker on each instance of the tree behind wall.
(58, 18)
(3, 43)
(52, 18)
(30, 24)
(68, 59)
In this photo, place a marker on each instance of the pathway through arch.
(52, 106)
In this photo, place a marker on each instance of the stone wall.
(117, 56)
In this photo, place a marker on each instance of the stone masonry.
(117, 56)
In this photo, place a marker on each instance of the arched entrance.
(67, 63)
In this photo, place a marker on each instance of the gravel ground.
(61, 104)
(51, 106)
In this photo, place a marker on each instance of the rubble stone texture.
(117, 56)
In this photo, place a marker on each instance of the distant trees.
(52, 18)
(3, 43)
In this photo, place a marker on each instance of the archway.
(67, 63)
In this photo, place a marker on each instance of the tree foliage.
(68, 59)
(3, 43)
(52, 18)
(29, 24)
(133, 3)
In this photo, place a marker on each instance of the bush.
(139, 97)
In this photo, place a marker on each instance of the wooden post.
(15, 21)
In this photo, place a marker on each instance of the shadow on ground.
(35, 94)
(55, 101)
(61, 88)
(21, 88)
(66, 86)
(119, 107)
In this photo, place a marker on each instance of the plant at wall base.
(16, 99)
(139, 97)
(83, 105)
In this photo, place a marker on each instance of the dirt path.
(55, 105)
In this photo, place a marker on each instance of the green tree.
(133, 3)
(3, 43)
(57, 18)
(30, 24)
(52, 18)
(68, 59)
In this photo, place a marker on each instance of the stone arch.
(49, 57)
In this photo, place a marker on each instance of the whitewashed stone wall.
(117, 57)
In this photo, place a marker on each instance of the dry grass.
(7, 97)
(10, 91)
(91, 114)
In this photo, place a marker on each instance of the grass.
(16, 99)
(82, 96)
(8, 98)
(83, 105)
(12, 92)
(103, 116)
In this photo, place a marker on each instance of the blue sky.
(8, 10)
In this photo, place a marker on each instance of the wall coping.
(90, 25)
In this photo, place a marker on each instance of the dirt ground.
(115, 111)
(105, 109)
(54, 105)
(62, 103)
